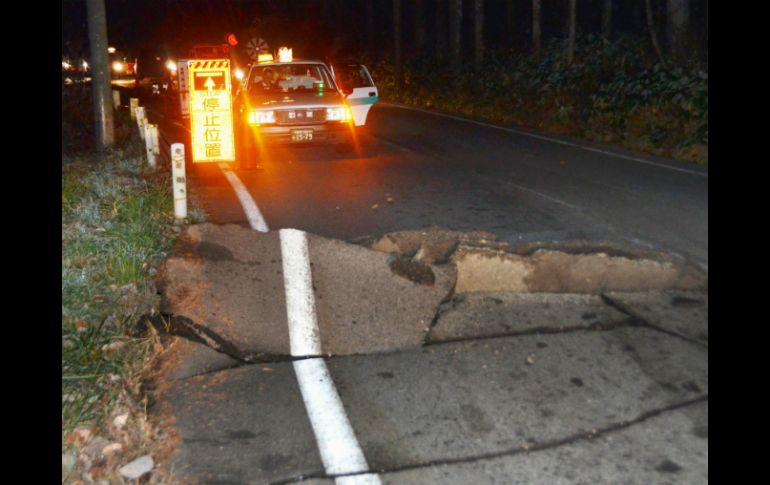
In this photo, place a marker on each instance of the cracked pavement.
(447, 387)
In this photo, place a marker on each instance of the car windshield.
(289, 78)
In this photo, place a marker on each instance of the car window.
(289, 78)
(352, 76)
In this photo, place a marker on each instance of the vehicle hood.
(296, 99)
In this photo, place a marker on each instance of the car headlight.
(338, 114)
(261, 117)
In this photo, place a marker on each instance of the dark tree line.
(451, 32)
(455, 29)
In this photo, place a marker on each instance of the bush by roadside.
(117, 225)
(616, 93)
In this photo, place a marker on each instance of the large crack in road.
(594, 434)
(482, 379)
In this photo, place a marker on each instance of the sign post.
(184, 90)
(178, 180)
(211, 111)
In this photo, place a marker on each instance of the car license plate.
(301, 135)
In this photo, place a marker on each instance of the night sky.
(321, 28)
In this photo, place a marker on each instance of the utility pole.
(100, 75)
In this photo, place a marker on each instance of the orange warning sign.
(211, 111)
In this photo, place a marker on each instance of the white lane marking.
(526, 189)
(336, 440)
(393, 145)
(547, 138)
(300, 300)
(337, 443)
(253, 214)
(545, 196)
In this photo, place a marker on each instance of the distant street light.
(111, 50)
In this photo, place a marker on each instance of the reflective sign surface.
(211, 116)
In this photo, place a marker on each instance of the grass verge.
(615, 93)
(117, 225)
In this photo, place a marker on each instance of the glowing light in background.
(239, 74)
(171, 65)
(285, 54)
(111, 50)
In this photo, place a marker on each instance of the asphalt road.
(441, 171)
(614, 405)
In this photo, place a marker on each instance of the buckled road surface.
(315, 341)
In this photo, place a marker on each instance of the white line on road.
(337, 443)
(393, 145)
(253, 214)
(526, 189)
(300, 300)
(547, 138)
(336, 440)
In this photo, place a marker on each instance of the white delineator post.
(155, 140)
(179, 180)
(140, 120)
(134, 103)
(148, 145)
(116, 98)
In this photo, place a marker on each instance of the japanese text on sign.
(211, 118)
